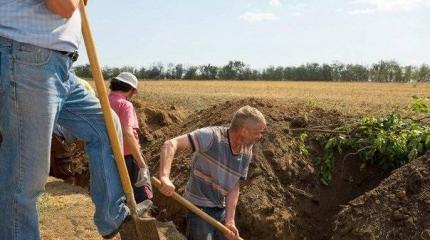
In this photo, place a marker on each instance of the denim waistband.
(5, 42)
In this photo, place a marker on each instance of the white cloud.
(374, 6)
(258, 16)
(275, 3)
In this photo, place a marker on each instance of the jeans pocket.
(31, 55)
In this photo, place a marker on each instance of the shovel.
(187, 204)
(138, 228)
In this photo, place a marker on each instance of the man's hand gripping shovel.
(187, 204)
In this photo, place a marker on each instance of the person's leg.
(81, 114)
(197, 228)
(219, 214)
(30, 91)
(133, 172)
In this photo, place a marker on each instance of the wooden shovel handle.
(187, 204)
(101, 90)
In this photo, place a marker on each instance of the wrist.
(230, 222)
(163, 176)
(141, 163)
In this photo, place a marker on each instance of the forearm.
(63, 8)
(134, 147)
(231, 203)
(168, 151)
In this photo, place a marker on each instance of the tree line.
(383, 71)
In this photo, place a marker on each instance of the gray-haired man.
(221, 157)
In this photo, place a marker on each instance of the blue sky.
(259, 32)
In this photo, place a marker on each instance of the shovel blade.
(140, 229)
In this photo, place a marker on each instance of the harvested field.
(346, 97)
(355, 98)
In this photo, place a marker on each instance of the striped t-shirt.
(215, 169)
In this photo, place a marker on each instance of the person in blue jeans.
(221, 157)
(38, 43)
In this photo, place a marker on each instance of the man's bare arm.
(230, 211)
(63, 8)
(168, 151)
(134, 145)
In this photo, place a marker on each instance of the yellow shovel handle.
(187, 204)
(101, 89)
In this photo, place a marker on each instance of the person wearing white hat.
(123, 87)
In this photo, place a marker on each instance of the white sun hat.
(128, 78)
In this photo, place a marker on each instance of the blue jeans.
(37, 89)
(199, 229)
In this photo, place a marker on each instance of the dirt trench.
(282, 197)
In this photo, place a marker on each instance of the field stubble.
(349, 98)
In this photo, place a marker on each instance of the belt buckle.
(74, 56)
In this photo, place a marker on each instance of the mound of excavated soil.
(282, 197)
(399, 208)
(152, 116)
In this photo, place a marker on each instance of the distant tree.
(208, 72)
(386, 71)
(326, 73)
(422, 74)
(155, 71)
(408, 74)
(289, 73)
(232, 70)
(312, 72)
(169, 73)
(141, 73)
(249, 74)
(191, 73)
(83, 71)
(382, 71)
(337, 69)
(354, 73)
(179, 71)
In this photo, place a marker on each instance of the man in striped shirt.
(221, 157)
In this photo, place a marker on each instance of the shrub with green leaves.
(388, 141)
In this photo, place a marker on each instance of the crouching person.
(221, 157)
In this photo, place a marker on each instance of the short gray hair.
(246, 114)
